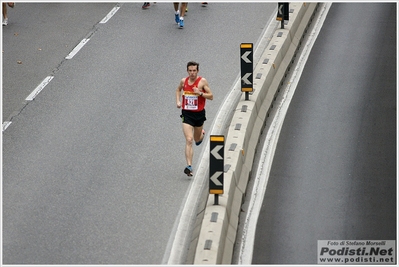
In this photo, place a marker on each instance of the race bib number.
(191, 101)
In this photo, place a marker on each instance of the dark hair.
(193, 63)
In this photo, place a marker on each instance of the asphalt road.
(93, 166)
(334, 170)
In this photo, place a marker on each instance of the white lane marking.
(6, 124)
(269, 147)
(47, 80)
(84, 41)
(39, 88)
(110, 14)
(77, 49)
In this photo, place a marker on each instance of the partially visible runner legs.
(179, 13)
(192, 134)
(4, 10)
(188, 134)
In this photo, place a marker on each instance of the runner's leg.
(183, 7)
(198, 135)
(4, 10)
(176, 5)
(188, 134)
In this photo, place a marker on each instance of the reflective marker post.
(282, 13)
(216, 166)
(247, 69)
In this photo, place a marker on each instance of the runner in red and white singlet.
(192, 102)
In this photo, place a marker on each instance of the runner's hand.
(196, 90)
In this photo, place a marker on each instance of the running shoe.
(188, 170)
(5, 22)
(146, 5)
(177, 18)
(181, 23)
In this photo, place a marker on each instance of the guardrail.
(213, 240)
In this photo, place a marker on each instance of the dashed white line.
(47, 80)
(39, 88)
(6, 124)
(77, 48)
(110, 14)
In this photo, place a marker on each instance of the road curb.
(214, 239)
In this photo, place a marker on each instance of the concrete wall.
(216, 226)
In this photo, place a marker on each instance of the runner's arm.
(178, 94)
(205, 87)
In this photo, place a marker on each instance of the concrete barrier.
(214, 238)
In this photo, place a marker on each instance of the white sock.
(182, 18)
